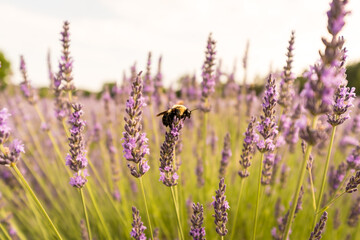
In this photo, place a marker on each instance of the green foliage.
(5, 71)
(353, 76)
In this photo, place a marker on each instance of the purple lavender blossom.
(354, 216)
(12, 153)
(225, 156)
(25, 85)
(221, 206)
(167, 167)
(208, 83)
(277, 233)
(135, 143)
(342, 101)
(138, 228)
(353, 183)
(248, 148)
(287, 78)
(76, 159)
(4, 128)
(336, 176)
(158, 84)
(148, 81)
(267, 126)
(66, 61)
(353, 160)
(336, 16)
(267, 169)
(197, 231)
(325, 76)
(319, 228)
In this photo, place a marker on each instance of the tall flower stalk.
(208, 87)
(221, 206)
(268, 130)
(323, 80)
(76, 159)
(245, 162)
(197, 231)
(168, 174)
(135, 142)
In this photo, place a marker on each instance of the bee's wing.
(162, 113)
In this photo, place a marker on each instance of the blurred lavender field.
(276, 158)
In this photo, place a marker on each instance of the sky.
(108, 36)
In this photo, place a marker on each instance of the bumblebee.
(177, 110)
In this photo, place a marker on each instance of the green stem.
(204, 158)
(298, 185)
(177, 213)
(312, 189)
(323, 182)
(153, 121)
(5, 232)
(85, 212)
(237, 208)
(258, 196)
(329, 204)
(28, 188)
(98, 212)
(146, 207)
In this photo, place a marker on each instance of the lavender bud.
(197, 231)
(319, 228)
(267, 126)
(12, 153)
(267, 169)
(353, 218)
(138, 228)
(148, 81)
(353, 160)
(248, 148)
(66, 60)
(342, 101)
(76, 159)
(287, 78)
(167, 169)
(208, 83)
(226, 154)
(4, 127)
(135, 143)
(353, 183)
(221, 206)
(25, 85)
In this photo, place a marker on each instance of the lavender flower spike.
(336, 16)
(320, 227)
(208, 83)
(167, 168)
(76, 159)
(248, 148)
(138, 229)
(66, 61)
(25, 85)
(342, 101)
(220, 207)
(287, 78)
(267, 126)
(4, 128)
(12, 153)
(226, 154)
(197, 231)
(135, 142)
